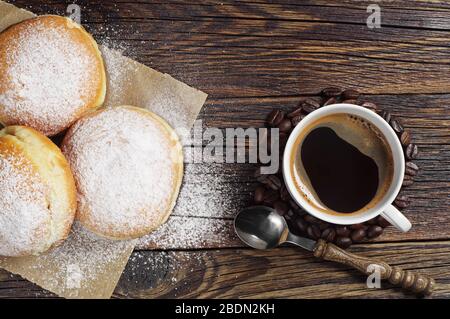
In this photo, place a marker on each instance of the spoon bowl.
(261, 227)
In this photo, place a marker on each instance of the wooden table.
(251, 56)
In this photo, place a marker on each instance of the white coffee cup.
(384, 205)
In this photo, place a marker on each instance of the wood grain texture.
(252, 56)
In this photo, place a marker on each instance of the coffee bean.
(350, 101)
(396, 126)
(358, 235)
(374, 231)
(285, 125)
(259, 194)
(371, 106)
(350, 94)
(301, 224)
(323, 225)
(297, 209)
(270, 197)
(273, 182)
(284, 194)
(343, 242)
(281, 207)
(405, 138)
(411, 151)
(358, 226)
(342, 231)
(275, 117)
(407, 180)
(386, 115)
(313, 231)
(283, 137)
(331, 100)
(383, 222)
(309, 105)
(402, 201)
(259, 176)
(296, 120)
(311, 219)
(331, 92)
(372, 221)
(329, 234)
(298, 111)
(411, 169)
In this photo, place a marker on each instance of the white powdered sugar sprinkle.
(123, 168)
(47, 75)
(25, 217)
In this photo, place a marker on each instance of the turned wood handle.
(417, 283)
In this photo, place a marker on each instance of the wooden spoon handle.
(411, 281)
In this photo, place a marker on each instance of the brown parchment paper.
(86, 266)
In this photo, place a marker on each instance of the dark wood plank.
(244, 273)
(281, 273)
(255, 50)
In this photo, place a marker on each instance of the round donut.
(37, 193)
(51, 73)
(128, 165)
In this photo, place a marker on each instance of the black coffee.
(344, 162)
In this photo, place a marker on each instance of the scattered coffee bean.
(298, 111)
(350, 94)
(297, 209)
(270, 197)
(331, 100)
(285, 125)
(329, 234)
(259, 194)
(372, 221)
(283, 137)
(343, 242)
(411, 169)
(281, 207)
(331, 92)
(402, 201)
(309, 105)
(284, 194)
(350, 101)
(374, 231)
(313, 231)
(342, 231)
(273, 182)
(370, 106)
(386, 115)
(296, 120)
(411, 151)
(275, 117)
(396, 126)
(358, 226)
(358, 235)
(407, 181)
(405, 138)
(323, 225)
(259, 176)
(382, 222)
(311, 219)
(301, 224)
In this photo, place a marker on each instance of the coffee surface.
(344, 162)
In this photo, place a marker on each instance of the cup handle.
(396, 218)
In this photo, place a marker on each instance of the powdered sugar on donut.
(47, 77)
(122, 165)
(24, 216)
